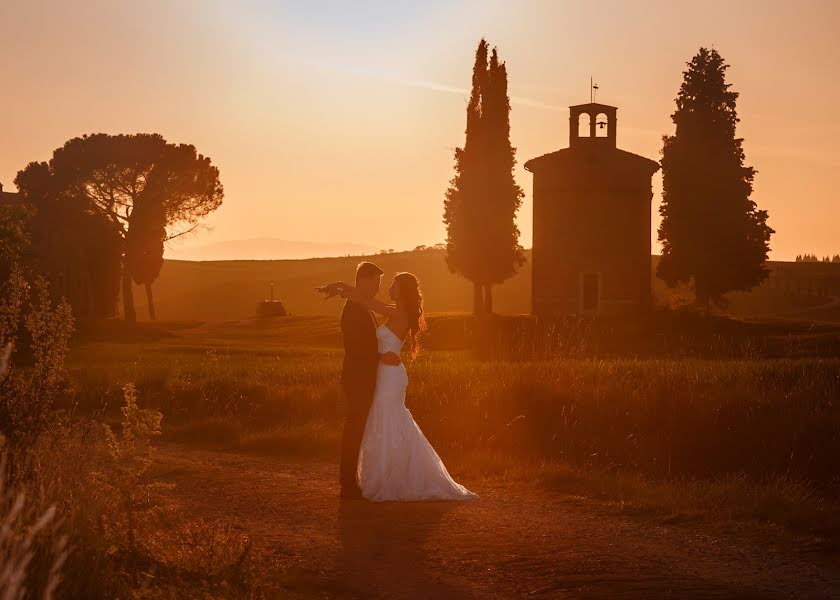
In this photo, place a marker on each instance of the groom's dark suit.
(358, 380)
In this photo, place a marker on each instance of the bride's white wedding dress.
(396, 462)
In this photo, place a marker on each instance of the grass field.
(755, 400)
(591, 434)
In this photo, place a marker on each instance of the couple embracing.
(384, 455)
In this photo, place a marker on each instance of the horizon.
(383, 252)
(257, 87)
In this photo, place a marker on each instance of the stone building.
(592, 221)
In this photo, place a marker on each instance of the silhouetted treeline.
(815, 258)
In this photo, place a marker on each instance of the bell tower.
(592, 123)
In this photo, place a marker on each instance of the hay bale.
(271, 308)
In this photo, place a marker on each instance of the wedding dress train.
(396, 461)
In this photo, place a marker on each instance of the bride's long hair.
(411, 301)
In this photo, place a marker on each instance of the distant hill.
(266, 249)
(230, 290)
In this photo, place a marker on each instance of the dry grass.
(23, 533)
(65, 532)
(114, 530)
(743, 435)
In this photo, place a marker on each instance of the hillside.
(230, 290)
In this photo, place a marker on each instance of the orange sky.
(336, 121)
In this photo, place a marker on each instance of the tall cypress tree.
(712, 233)
(461, 208)
(502, 253)
(482, 200)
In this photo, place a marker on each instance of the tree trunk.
(478, 299)
(488, 299)
(129, 314)
(150, 301)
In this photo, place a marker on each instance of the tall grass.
(79, 515)
(662, 417)
(22, 535)
(743, 417)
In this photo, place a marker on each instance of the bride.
(396, 462)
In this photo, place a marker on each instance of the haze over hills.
(267, 249)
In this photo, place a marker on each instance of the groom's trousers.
(357, 406)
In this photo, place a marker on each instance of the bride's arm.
(348, 292)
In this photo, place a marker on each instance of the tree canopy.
(148, 189)
(116, 173)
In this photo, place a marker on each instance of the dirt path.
(511, 543)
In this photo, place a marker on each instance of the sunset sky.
(336, 121)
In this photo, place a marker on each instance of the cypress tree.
(712, 233)
(503, 254)
(482, 200)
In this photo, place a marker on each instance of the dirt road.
(513, 542)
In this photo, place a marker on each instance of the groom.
(358, 374)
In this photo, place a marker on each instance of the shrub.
(129, 454)
(26, 398)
